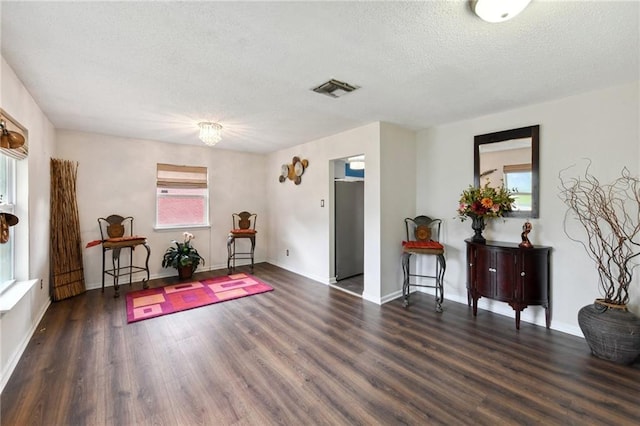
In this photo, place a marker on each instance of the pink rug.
(154, 302)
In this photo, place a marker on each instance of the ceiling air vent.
(334, 88)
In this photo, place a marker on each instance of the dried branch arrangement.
(610, 215)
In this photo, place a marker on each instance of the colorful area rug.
(154, 302)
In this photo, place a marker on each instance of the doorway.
(349, 224)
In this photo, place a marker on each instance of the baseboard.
(344, 290)
(169, 273)
(321, 280)
(390, 297)
(11, 366)
(503, 309)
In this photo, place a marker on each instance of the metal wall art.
(293, 171)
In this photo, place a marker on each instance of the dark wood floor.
(308, 354)
(353, 284)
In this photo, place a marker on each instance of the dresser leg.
(547, 315)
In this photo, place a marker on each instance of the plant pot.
(612, 334)
(477, 224)
(185, 272)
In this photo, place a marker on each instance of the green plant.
(183, 254)
(484, 201)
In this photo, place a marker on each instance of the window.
(518, 177)
(7, 192)
(182, 196)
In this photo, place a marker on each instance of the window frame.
(510, 169)
(9, 199)
(175, 176)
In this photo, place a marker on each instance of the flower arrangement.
(484, 202)
(183, 254)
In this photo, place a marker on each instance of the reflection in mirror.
(510, 158)
(508, 163)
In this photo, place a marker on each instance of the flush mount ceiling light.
(356, 163)
(210, 133)
(498, 10)
(334, 88)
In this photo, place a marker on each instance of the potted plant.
(610, 216)
(184, 257)
(484, 202)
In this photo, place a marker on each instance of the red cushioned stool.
(244, 226)
(116, 234)
(423, 235)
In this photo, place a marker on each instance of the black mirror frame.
(524, 132)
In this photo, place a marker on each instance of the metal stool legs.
(233, 254)
(116, 271)
(441, 266)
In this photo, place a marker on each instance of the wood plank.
(308, 354)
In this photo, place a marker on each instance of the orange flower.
(487, 202)
(484, 201)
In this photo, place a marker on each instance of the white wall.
(299, 224)
(398, 201)
(32, 232)
(601, 125)
(118, 176)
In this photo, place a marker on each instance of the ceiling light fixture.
(335, 88)
(356, 163)
(210, 133)
(498, 10)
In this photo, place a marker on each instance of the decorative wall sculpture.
(293, 171)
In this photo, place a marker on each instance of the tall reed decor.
(66, 270)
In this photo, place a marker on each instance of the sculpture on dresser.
(526, 228)
(609, 215)
(484, 202)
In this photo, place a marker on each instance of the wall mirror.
(510, 158)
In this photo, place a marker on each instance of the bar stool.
(244, 226)
(423, 235)
(116, 233)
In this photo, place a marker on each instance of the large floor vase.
(612, 334)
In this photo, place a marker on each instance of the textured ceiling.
(153, 70)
